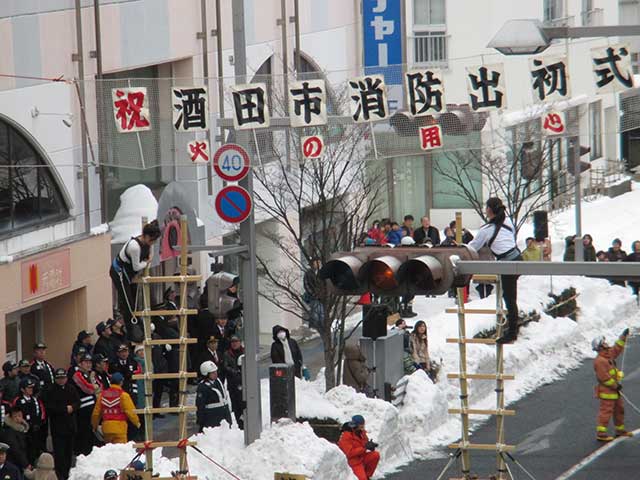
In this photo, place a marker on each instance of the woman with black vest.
(499, 234)
(131, 260)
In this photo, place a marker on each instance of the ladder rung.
(484, 446)
(475, 411)
(157, 313)
(163, 444)
(163, 376)
(171, 341)
(184, 409)
(483, 311)
(482, 376)
(485, 278)
(485, 341)
(168, 279)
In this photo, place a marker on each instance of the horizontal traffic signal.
(397, 271)
(219, 301)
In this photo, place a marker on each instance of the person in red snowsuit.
(360, 451)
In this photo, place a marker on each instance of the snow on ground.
(545, 351)
(135, 202)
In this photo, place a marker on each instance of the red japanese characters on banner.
(430, 137)
(198, 151)
(553, 123)
(312, 147)
(130, 109)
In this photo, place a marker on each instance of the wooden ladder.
(182, 375)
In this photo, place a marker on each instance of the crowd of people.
(388, 232)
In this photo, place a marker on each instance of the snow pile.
(100, 229)
(135, 202)
(6, 258)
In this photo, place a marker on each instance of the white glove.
(168, 347)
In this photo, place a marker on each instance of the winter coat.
(10, 472)
(223, 338)
(377, 235)
(532, 254)
(394, 237)
(44, 371)
(56, 400)
(128, 368)
(431, 234)
(212, 404)
(419, 348)
(10, 388)
(590, 254)
(45, 469)
(232, 371)
(103, 378)
(106, 347)
(32, 410)
(356, 373)
(569, 249)
(15, 435)
(352, 443)
(106, 409)
(277, 350)
(205, 326)
(618, 256)
(607, 373)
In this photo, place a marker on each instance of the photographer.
(360, 451)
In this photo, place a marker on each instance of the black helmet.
(8, 366)
(110, 475)
(27, 382)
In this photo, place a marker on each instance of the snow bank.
(135, 202)
(100, 229)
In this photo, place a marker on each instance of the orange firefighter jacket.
(353, 445)
(114, 407)
(607, 373)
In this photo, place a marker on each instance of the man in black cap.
(35, 415)
(105, 345)
(62, 402)
(87, 387)
(101, 369)
(8, 471)
(24, 371)
(127, 367)
(75, 361)
(40, 367)
(83, 340)
(10, 384)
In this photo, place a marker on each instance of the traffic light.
(218, 298)
(398, 271)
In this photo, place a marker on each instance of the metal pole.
(579, 248)
(251, 387)
(296, 19)
(285, 75)
(83, 129)
(205, 73)
(104, 199)
(220, 66)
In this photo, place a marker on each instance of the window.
(430, 35)
(29, 195)
(552, 10)
(429, 12)
(595, 127)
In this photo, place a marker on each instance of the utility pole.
(579, 247)
(104, 198)
(248, 275)
(204, 35)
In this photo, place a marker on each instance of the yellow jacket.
(114, 407)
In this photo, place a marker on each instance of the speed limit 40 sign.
(231, 162)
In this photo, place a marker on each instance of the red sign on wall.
(45, 274)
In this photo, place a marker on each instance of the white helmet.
(596, 343)
(407, 241)
(208, 367)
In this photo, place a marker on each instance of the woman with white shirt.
(499, 234)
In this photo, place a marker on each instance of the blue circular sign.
(233, 204)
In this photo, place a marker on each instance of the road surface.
(554, 429)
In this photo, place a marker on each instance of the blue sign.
(233, 204)
(382, 31)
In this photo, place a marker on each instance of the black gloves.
(626, 332)
(371, 445)
(619, 387)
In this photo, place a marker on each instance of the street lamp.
(530, 36)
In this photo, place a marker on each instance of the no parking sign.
(233, 204)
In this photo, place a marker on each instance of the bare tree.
(321, 206)
(519, 171)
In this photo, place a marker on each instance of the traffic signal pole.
(248, 273)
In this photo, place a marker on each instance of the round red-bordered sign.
(233, 204)
(231, 162)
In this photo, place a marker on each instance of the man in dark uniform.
(80, 353)
(10, 384)
(34, 414)
(24, 371)
(105, 345)
(83, 341)
(85, 383)
(211, 399)
(40, 367)
(127, 367)
(233, 372)
(8, 471)
(101, 369)
(62, 402)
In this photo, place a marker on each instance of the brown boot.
(623, 433)
(603, 437)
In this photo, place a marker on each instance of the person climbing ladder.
(131, 260)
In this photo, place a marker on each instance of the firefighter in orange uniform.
(609, 387)
(114, 406)
(360, 451)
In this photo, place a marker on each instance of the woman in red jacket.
(360, 451)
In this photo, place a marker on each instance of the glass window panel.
(437, 12)
(429, 12)
(421, 12)
(26, 205)
(410, 194)
(5, 179)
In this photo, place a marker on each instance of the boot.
(623, 433)
(603, 437)
(509, 336)
(408, 312)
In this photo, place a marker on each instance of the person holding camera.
(360, 451)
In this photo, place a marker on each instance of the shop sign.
(45, 274)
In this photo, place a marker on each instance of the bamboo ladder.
(464, 446)
(148, 376)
